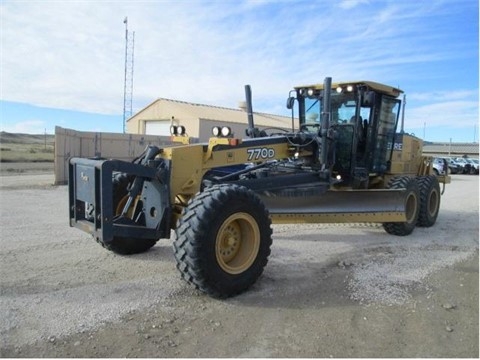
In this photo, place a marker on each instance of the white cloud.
(460, 114)
(457, 109)
(350, 4)
(25, 127)
(71, 54)
(444, 95)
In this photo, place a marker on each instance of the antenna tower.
(128, 82)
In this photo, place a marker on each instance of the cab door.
(382, 140)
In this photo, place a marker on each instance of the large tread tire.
(125, 245)
(429, 200)
(223, 240)
(412, 206)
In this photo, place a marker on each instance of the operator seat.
(360, 127)
(361, 137)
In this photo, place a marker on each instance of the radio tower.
(128, 82)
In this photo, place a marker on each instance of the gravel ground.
(16, 168)
(328, 290)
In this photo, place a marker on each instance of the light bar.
(223, 131)
(177, 130)
(348, 88)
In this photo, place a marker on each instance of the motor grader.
(342, 161)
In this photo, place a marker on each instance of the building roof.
(446, 148)
(210, 112)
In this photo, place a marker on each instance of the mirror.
(290, 102)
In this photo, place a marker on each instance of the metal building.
(442, 149)
(198, 119)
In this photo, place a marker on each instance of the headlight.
(226, 131)
(181, 130)
(348, 88)
(310, 92)
(223, 131)
(173, 130)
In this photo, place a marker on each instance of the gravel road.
(327, 291)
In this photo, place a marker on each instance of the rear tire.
(429, 200)
(223, 240)
(125, 245)
(412, 206)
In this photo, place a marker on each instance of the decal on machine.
(260, 153)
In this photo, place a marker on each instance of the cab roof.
(385, 89)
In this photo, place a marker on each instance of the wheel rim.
(411, 207)
(433, 202)
(237, 243)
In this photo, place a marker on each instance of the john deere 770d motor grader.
(343, 162)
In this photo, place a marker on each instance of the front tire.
(412, 206)
(429, 200)
(223, 240)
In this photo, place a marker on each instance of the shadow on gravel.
(160, 252)
(310, 285)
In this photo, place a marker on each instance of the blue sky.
(62, 62)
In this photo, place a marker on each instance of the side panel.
(190, 163)
(407, 155)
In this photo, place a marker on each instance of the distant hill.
(26, 147)
(12, 138)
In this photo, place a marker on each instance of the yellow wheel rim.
(237, 243)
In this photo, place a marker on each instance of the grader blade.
(339, 206)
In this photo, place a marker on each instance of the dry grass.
(26, 148)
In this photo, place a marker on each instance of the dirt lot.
(328, 290)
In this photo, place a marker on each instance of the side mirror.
(368, 99)
(290, 102)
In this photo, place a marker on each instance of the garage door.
(157, 127)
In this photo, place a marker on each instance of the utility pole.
(128, 80)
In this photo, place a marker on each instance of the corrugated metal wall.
(71, 143)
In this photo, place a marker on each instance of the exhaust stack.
(251, 131)
(325, 131)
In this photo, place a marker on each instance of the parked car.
(473, 165)
(476, 164)
(469, 167)
(453, 166)
(440, 165)
(463, 163)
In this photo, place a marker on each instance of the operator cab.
(359, 126)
